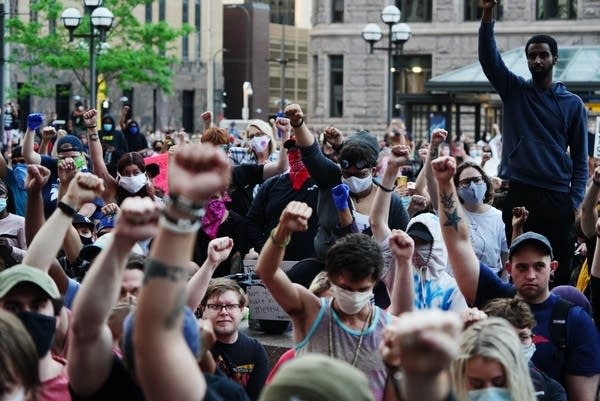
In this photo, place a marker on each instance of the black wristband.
(298, 124)
(384, 189)
(67, 209)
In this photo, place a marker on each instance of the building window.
(282, 12)
(187, 115)
(148, 13)
(337, 10)
(415, 10)
(61, 101)
(185, 39)
(197, 25)
(162, 10)
(556, 9)
(336, 86)
(473, 11)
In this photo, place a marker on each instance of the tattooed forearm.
(447, 201)
(156, 269)
(434, 151)
(452, 219)
(175, 311)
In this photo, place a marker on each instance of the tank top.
(345, 340)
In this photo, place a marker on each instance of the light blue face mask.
(473, 194)
(490, 394)
(107, 127)
(3, 202)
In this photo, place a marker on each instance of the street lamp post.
(398, 34)
(100, 22)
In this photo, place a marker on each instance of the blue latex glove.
(340, 194)
(34, 120)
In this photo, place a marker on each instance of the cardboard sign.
(597, 139)
(262, 305)
(161, 180)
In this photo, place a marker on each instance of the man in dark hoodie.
(113, 143)
(542, 119)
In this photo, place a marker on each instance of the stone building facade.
(444, 38)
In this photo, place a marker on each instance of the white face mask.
(528, 351)
(350, 302)
(358, 185)
(19, 395)
(133, 184)
(260, 143)
(490, 394)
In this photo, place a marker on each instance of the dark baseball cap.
(420, 230)
(530, 237)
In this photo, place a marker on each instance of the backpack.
(558, 331)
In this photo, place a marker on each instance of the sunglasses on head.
(360, 164)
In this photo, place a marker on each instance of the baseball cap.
(315, 377)
(420, 230)
(69, 143)
(261, 125)
(21, 273)
(81, 219)
(530, 237)
(106, 221)
(89, 252)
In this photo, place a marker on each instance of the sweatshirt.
(545, 130)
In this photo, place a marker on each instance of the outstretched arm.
(426, 185)
(218, 251)
(34, 121)
(402, 246)
(589, 214)
(380, 209)
(90, 348)
(166, 368)
(304, 137)
(291, 297)
(277, 167)
(455, 229)
(48, 240)
(37, 177)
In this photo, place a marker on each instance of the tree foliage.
(136, 52)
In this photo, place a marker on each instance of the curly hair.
(489, 193)
(515, 310)
(358, 255)
(216, 136)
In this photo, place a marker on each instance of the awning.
(578, 68)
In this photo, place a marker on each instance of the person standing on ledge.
(544, 150)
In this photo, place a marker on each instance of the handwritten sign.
(262, 305)
(597, 139)
(160, 181)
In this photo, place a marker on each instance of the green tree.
(137, 52)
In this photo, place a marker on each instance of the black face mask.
(86, 240)
(41, 328)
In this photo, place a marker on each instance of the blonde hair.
(320, 284)
(495, 339)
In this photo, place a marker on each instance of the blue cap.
(69, 143)
(530, 237)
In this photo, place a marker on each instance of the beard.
(540, 73)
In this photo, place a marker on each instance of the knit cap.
(315, 377)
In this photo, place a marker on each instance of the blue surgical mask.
(133, 130)
(490, 394)
(473, 194)
(528, 351)
(107, 127)
(3, 202)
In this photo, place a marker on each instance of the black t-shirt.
(118, 386)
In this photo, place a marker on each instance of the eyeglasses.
(219, 307)
(467, 181)
(360, 164)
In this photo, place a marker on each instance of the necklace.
(360, 339)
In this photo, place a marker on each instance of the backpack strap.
(558, 330)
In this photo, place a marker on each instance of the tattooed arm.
(455, 229)
(165, 366)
